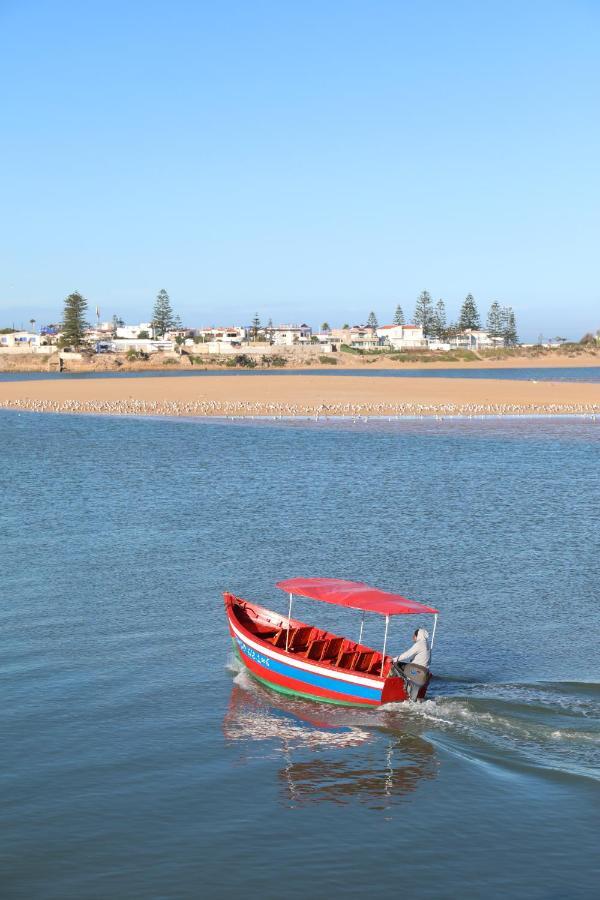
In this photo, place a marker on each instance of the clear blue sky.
(309, 159)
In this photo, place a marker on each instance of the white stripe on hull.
(338, 674)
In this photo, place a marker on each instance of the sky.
(305, 160)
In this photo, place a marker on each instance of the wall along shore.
(303, 359)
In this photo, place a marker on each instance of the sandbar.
(301, 395)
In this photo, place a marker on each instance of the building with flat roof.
(402, 337)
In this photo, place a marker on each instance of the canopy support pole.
(287, 636)
(362, 625)
(387, 622)
(435, 615)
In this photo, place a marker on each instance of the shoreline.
(310, 396)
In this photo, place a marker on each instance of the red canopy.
(354, 594)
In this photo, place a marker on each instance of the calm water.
(583, 373)
(138, 762)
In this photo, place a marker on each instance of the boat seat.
(347, 659)
(346, 647)
(301, 638)
(375, 664)
(272, 638)
(282, 637)
(316, 649)
(365, 660)
(332, 650)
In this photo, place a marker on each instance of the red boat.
(295, 658)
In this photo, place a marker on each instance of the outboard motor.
(415, 677)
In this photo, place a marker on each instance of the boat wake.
(552, 728)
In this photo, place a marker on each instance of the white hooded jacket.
(420, 652)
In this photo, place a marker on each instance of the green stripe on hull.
(291, 693)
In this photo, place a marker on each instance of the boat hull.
(292, 675)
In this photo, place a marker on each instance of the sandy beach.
(301, 395)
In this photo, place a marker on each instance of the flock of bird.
(245, 409)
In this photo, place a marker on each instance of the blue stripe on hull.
(350, 688)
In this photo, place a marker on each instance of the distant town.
(428, 330)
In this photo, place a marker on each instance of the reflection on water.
(384, 773)
(328, 755)
(338, 753)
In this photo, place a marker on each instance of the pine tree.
(452, 330)
(163, 318)
(398, 316)
(74, 323)
(439, 321)
(509, 327)
(424, 313)
(495, 323)
(372, 321)
(469, 317)
(255, 326)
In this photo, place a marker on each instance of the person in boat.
(420, 652)
(413, 664)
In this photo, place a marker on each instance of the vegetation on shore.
(74, 321)
(349, 357)
(501, 321)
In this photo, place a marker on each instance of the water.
(574, 373)
(139, 762)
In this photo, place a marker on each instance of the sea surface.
(566, 373)
(138, 761)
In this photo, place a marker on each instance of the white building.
(322, 337)
(289, 334)
(230, 335)
(24, 342)
(173, 333)
(19, 339)
(130, 332)
(102, 332)
(402, 337)
(360, 337)
(472, 339)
